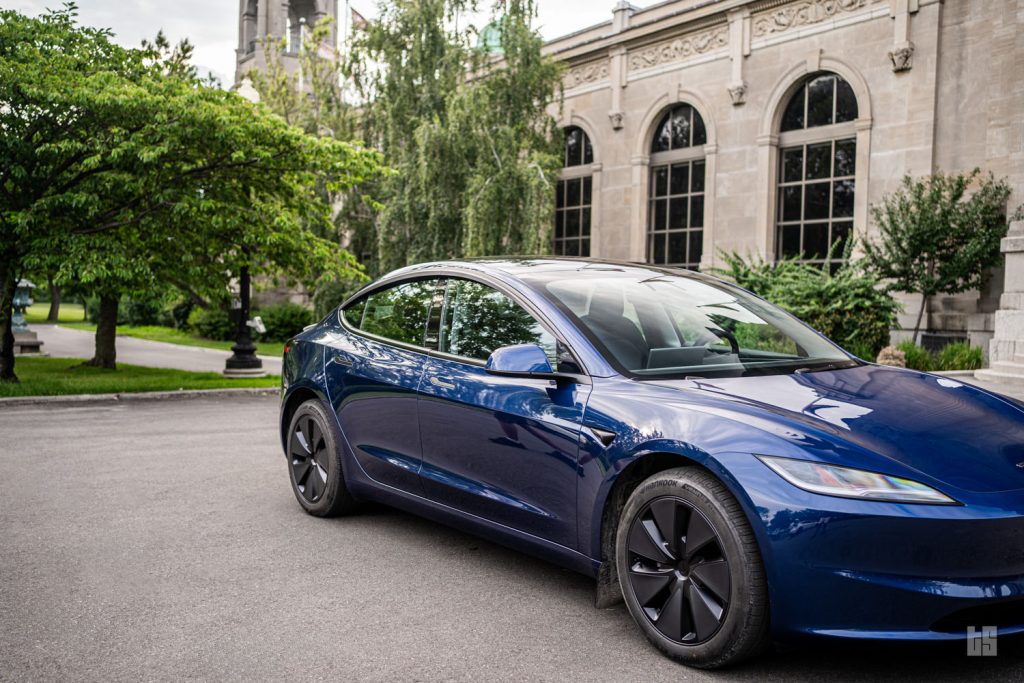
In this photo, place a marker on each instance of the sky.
(212, 25)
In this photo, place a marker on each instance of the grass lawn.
(61, 376)
(173, 336)
(69, 313)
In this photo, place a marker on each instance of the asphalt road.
(159, 540)
(66, 342)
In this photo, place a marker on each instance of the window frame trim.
(446, 275)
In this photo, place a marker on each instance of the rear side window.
(398, 313)
(479, 319)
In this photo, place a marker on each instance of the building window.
(675, 216)
(573, 196)
(817, 164)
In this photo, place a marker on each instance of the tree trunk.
(7, 285)
(920, 315)
(106, 331)
(54, 314)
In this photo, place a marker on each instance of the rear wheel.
(690, 570)
(314, 462)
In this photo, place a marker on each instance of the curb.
(77, 399)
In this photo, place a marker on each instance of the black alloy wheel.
(315, 465)
(678, 571)
(690, 569)
(307, 452)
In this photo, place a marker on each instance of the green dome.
(489, 39)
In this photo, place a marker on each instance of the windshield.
(671, 326)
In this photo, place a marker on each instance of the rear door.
(373, 373)
(497, 447)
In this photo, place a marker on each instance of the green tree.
(122, 168)
(937, 236)
(467, 132)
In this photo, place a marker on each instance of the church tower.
(259, 20)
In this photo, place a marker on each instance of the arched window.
(675, 217)
(300, 12)
(817, 163)
(574, 195)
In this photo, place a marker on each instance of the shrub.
(960, 356)
(180, 312)
(284, 320)
(850, 307)
(917, 357)
(143, 311)
(330, 294)
(211, 323)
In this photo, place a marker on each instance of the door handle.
(438, 382)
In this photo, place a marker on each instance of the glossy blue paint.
(519, 358)
(519, 460)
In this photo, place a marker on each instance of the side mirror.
(523, 360)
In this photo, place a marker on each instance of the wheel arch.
(296, 396)
(622, 485)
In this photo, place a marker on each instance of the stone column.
(1006, 350)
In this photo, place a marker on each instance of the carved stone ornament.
(588, 73)
(738, 93)
(616, 118)
(802, 14)
(902, 57)
(680, 48)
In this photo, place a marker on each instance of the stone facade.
(938, 86)
(279, 19)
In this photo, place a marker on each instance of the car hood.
(952, 432)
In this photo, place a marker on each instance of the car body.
(546, 463)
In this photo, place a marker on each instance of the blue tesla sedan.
(728, 472)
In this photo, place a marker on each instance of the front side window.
(479, 319)
(675, 216)
(397, 313)
(573, 196)
(673, 326)
(817, 164)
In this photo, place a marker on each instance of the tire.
(690, 570)
(314, 462)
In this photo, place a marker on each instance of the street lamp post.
(243, 361)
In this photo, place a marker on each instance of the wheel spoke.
(670, 619)
(317, 440)
(698, 534)
(306, 427)
(301, 467)
(670, 518)
(706, 613)
(298, 444)
(647, 584)
(714, 577)
(646, 541)
(314, 484)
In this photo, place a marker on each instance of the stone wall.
(938, 87)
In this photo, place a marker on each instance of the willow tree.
(467, 132)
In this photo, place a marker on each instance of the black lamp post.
(243, 361)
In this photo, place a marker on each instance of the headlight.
(831, 480)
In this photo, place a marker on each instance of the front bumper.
(847, 568)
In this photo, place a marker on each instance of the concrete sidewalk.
(64, 342)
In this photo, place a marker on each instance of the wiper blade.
(833, 365)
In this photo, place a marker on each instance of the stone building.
(281, 19)
(771, 126)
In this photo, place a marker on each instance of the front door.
(501, 448)
(373, 372)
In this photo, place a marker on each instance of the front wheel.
(314, 462)
(690, 570)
